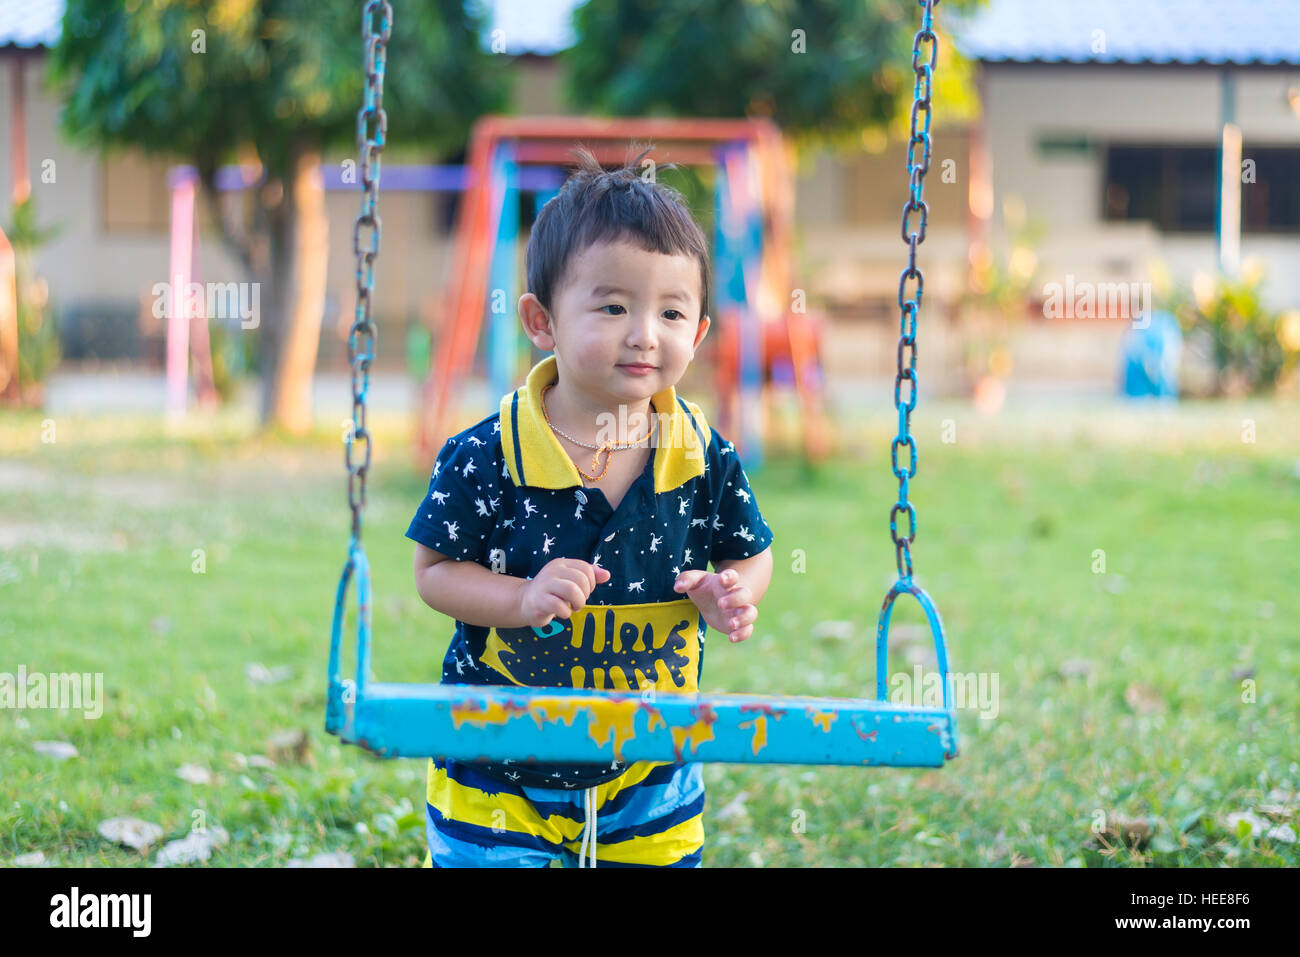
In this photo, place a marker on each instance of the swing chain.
(923, 66)
(372, 134)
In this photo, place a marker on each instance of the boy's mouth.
(636, 366)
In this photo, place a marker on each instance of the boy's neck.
(585, 417)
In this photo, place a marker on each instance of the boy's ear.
(700, 332)
(537, 322)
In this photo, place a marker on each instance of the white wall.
(1136, 104)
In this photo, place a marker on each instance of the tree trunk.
(296, 296)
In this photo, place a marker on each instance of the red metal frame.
(549, 140)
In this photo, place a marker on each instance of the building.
(1101, 119)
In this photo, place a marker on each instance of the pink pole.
(178, 276)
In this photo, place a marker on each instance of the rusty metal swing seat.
(474, 722)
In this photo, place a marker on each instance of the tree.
(278, 82)
(821, 69)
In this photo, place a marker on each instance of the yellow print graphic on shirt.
(614, 647)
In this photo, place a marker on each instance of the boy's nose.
(641, 332)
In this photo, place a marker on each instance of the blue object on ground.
(1151, 355)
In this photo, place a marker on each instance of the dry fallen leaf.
(286, 747)
(258, 674)
(130, 832)
(1144, 699)
(59, 750)
(839, 630)
(192, 848)
(734, 808)
(1075, 668)
(1133, 831)
(335, 859)
(194, 773)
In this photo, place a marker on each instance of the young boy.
(528, 539)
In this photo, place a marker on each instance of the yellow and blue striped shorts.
(652, 815)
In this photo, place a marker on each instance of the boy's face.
(618, 307)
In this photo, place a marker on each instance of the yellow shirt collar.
(527, 440)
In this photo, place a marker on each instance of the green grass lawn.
(1165, 688)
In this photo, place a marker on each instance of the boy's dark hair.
(595, 205)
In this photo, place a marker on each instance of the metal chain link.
(911, 306)
(372, 134)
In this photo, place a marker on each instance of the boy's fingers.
(743, 616)
(742, 634)
(690, 580)
(581, 574)
(569, 591)
(736, 598)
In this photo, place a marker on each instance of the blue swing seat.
(523, 724)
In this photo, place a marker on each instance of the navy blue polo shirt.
(505, 494)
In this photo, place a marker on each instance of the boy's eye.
(612, 306)
(675, 313)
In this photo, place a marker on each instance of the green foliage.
(1007, 284)
(234, 357)
(1000, 290)
(38, 338)
(1252, 347)
(848, 70)
(275, 75)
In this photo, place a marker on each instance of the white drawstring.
(589, 830)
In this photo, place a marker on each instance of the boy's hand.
(560, 588)
(725, 603)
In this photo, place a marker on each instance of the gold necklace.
(609, 448)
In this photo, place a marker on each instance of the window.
(1176, 188)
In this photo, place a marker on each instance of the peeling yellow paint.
(696, 734)
(760, 732)
(617, 718)
(553, 710)
(654, 719)
(823, 719)
(494, 713)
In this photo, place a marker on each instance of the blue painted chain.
(923, 67)
(372, 133)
